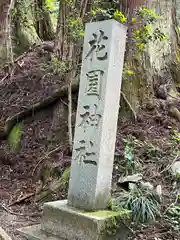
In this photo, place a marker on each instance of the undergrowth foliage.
(142, 202)
(131, 162)
(145, 34)
(173, 217)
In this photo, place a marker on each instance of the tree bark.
(23, 31)
(152, 68)
(67, 47)
(43, 23)
(5, 31)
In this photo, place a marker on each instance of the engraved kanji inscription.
(94, 82)
(85, 152)
(90, 117)
(98, 46)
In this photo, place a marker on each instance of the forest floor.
(43, 154)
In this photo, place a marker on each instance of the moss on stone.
(103, 213)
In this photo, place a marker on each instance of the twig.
(128, 103)
(21, 199)
(32, 48)
(66, 104)
(44, 157)
(2, 80)
(177, 98)
(19, 214)
(130, 229)
(170, 165)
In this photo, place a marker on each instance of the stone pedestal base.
(60, 221)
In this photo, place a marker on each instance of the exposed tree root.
(18, 117)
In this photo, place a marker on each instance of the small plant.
(119, 16)
(147, 15)
(146, 33)
(14, 137)
(65, 177)
(55, 67)
(110, 14)
(173, 217)
(131, 163)
(142, 202)
(127, 72)
(176, 136)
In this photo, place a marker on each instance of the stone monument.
(84, 215)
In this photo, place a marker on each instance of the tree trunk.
(23, 31)
(152, 78)
(5, 31)
(43, 23)
(67, 47)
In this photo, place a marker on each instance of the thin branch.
(21, 199)
(170, 165)
(44, 157)
(128, 103)
(19, 214)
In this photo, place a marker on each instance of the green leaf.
(14, 137)
(134, 19)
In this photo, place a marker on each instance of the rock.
(132, 186)
(159, 190)
(147, 185)
(132, 179)
(129, 182)
(4, 235)
(176, 168)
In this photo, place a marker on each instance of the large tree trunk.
(5, 31)
(153, 80)
(24, 33)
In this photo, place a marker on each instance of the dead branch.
(170, 165)
(21, 199)
(44, 157)
(19, 214)
(129, 105)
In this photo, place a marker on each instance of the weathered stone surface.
(63, 222)
(97, 114)
(70, 223)
(35, 233)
